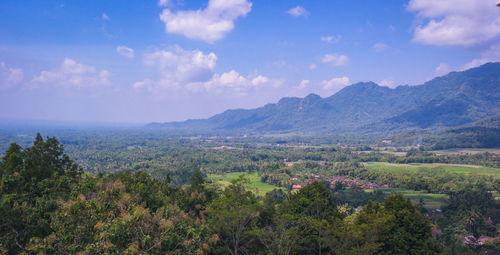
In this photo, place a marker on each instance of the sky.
(140, 61)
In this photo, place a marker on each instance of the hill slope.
(453, 100)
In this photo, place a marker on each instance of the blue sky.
(141, 61)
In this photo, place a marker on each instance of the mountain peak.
(454, 99)
(312, 97)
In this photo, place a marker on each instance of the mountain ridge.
(452, 100)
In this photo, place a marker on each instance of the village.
(300, 181)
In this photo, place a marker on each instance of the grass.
(467, 151)
(456, 168)
(256, 185)
(431, 200)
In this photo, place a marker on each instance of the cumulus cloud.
(313, 66)
(144, 83)
(379, 47)
(210, 24)
(194, 71)
(492, 54)
(182, 66)
(303, 84)
(71, 73)
(125, 51)
(232, 82)
(165, 3)
(455, 22)
(9, 76)
(389, 82)
(331, 38)
(335, 60)
(335, 84)
(298, 11)
(105, 16)
(442, 69)
(259, 80)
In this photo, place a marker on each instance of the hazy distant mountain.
(453, 100)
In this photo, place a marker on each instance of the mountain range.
(456, 99)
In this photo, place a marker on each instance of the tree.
(400, 227)
(12, 161)
(316, 217)
(233, 215)
(279, 237)
(113, 219)
(197, 181)
(32, 181)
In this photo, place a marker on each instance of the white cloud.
(165, 3)
(105, 16)
(389, 82)
(298, 11)
(182, 66)
(455, 22)
(194, 70)
(303, 84)
(143, 83)
(210, 24)
(335, 59)
(125, 51)
(335, 84)
(312, 66)
(492, 54)
(379, 47)
(232, 82)
(259, 80)
(73, 74)
(331, 38)
(442, 69)
(9, 76)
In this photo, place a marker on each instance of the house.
(471, 240)
(436, 232)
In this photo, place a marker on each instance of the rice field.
(430, 200)
(456, 168)
(256, 185)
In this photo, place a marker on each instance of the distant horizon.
(142, 61)
(4, 121)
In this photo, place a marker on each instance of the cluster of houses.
(311, 177)
(471, 240)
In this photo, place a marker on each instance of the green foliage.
(48, 208)
(233, 216)
(32, 181)
(114, 218)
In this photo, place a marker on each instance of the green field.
(431, 200)
(256, 185)
(456, 168)
(467, 151)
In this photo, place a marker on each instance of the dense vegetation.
(466, 137)
(49, 205)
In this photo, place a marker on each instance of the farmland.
(455, 168)
(255, 185)
(430, 200)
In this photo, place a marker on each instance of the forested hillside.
(343, 206)
(455, 99)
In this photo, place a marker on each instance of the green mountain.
(453, 100)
